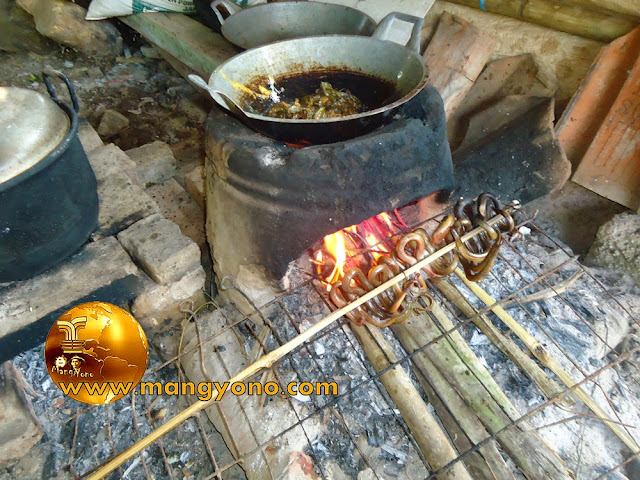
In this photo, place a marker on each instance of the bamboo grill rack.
(286, 343)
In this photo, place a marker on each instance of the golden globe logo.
(96, 353)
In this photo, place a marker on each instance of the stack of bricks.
(146, 253)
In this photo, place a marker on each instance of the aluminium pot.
(380, 72)
(270, 22)
(48, 190)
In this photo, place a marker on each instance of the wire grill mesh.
(361, 429)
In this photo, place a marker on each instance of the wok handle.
(52, 91)
(383, 32)
(231, 8)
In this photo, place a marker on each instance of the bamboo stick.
(506, 345)
(462, 423)
(534, 458)
(597, 24)
(268, 360)
(548, 361)
(433, 442)
(471, 361)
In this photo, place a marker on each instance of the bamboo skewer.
(433, 442)
(548, 361)
(269, 359)
(506, 345)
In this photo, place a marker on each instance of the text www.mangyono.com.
(204, 391)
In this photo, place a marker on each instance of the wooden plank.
(595, 23)
(611, 165)
(194, 44)
(588, 108)
(455, 57)
(598, 24)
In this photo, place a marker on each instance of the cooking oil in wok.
(373, 92)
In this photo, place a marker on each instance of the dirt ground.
(158, 102)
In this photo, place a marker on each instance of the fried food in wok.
(326, 102)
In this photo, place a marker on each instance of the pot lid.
(31, 126)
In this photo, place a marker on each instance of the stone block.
(194, 183)
(176, 205)
(155, 163)
(150, 52)
(19, 430)
(160, 248)
(89, 138)
(121, 204)
(109, 159)
(112, 123)
(616, 245)
(99, 271)
(511, 149)
(160, 306)
(64, 22)
(18, 32)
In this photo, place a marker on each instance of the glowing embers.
(367, 247)
(356, 246)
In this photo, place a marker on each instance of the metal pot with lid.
(48, 191)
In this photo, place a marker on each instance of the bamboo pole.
(548, 361)
(268, 360)
(471, 361)
(506, 345)
(462, 423)
(629, 7)
(597, 24)
(534, 458)
(433, 442)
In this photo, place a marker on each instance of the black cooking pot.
(48, 191)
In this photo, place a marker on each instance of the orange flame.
(342, 248)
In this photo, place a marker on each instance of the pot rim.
(53, 155)
(327, 38)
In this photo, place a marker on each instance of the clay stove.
(267, 202)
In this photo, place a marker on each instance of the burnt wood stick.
(433, 442)
(460, 421)
(506, 345)
(531, 454)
